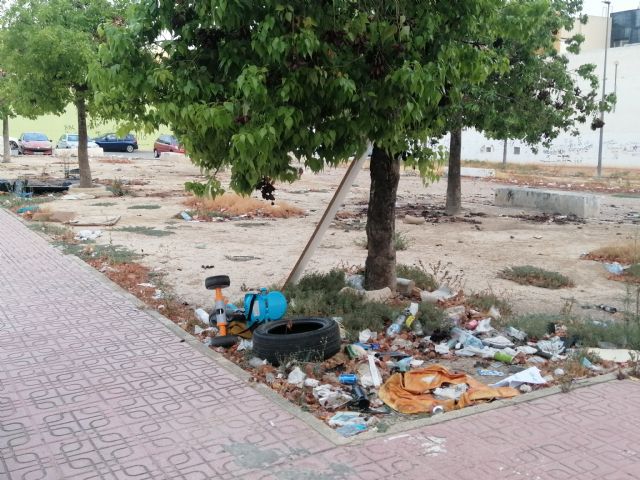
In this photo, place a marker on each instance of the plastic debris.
(343, 418)
(525, 388)
(484, 326)
(84, 235)
(352, 429)
(587, 364)
(296, 377)
(442, 348)
(365, 335)
(311, 382)
(329, 396)
(455, 313)
(558, 372)
(498, 341)
(202, 315)
(441, 294)
(256, 362)
(530, 375)
(494, 312)
(375, 374)
(416, 363)
(526, 349)
(490, 373)
(245, 345)
(552, 347)
(614, 268)
(450, 393)
(186, 216)
(355, 281)
(607, 308)
(515, 333)
(466, 338)
(503, 357)
(404, 364)
(198, 330)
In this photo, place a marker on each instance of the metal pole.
(604, 83)
(615, 83)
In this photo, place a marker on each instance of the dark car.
(34, 143)
(112, 143)
(166, 144)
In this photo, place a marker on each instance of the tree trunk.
(454, 186)
(380, 267)
(504, 152)
(83, 154)
(6, 148)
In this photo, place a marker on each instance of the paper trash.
(530, 375)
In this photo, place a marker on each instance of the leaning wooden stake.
(327, 217)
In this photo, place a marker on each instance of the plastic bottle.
(466, 338)
(396, 327)
(202, 315)
(412, 322)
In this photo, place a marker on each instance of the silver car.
(70, 140)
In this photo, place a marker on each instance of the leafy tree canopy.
(245, 84)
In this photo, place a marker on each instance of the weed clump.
(148, 231)
(230, 205)
(537, 277)
(400, 241)
(417, 273)
(483, 301)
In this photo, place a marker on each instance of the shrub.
(537, 277)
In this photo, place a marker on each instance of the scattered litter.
(245, 345)
(450, 393)
(84, 235)
(331, 397)
(607, 308)
(416, 363)
(490, 373)
(552, 348)
(441, 294)
(558, 372)
(28, 209)
(530, 375)
(614, 268)
(202, 315)
(526, 349)
(311, 382)
(375, 373)
(296, 377)
(355, 281)
(498, 341)
(159, 295)
(525, 388)
(342, 418)
(442, 348)
(185, 216)
(256, 362)
(494, 312)
(147, 285)
(587, 364)
(365, 335)
(515, 333)
(484, 326)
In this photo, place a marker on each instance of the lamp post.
(604, 83)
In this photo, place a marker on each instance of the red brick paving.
(91, 387)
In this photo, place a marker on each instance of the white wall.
(621, 146)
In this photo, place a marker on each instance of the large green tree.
(48, 47)
(537, 97)
(251, 85)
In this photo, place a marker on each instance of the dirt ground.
(485, 240)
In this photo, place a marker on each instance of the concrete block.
(564, 203)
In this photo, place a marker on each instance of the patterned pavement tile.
(93, 388)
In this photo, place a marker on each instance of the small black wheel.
(217, 281)
(308, 339)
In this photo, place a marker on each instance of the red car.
(167, 144)
(34, 143)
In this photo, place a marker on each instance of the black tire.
(13, 146)
(217, 281)
(130, 148)
(156, 154)
(311, 339)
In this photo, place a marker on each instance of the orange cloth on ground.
(409, 392)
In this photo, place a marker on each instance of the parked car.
(71, 140)
(112, 143)
(34, 143)
(165, 144)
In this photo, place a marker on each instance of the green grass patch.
(103, 204)
(537, 277)
(318, 294)
(483, 301)
(113, 254)
(423, 280)
(51, 229)
(14, 202)
(144, 207)
(626, 195)
(586, 332)
(400, 240)
(149, 231)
